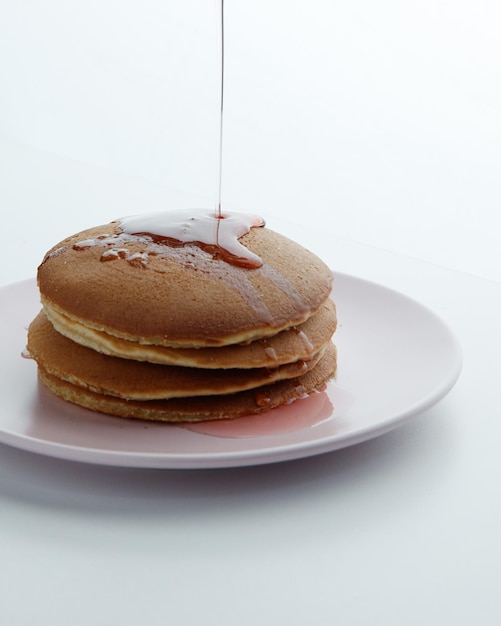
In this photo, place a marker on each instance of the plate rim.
(248, 457)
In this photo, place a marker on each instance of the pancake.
(183, 316)
(140, 380)
(182, 297)
(292, 344)
(199, 408)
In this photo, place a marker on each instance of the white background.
(372, 131)
(382, 118)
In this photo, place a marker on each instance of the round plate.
(396, 358)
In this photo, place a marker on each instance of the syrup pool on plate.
(303, 413)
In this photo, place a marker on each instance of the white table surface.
(379, 126)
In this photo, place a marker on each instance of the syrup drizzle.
(221, 104)
(115, 247)
(218, 236)
(216, 233)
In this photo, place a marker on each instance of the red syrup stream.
(220, 39)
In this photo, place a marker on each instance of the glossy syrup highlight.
(217, 235)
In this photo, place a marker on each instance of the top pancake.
(157, 294)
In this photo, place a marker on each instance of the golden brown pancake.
(140, 380)
(134, 289)
(289, 345)
(136, 323)
(199, 408)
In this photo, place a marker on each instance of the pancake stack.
(155, 328)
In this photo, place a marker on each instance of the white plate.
(396, 359)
